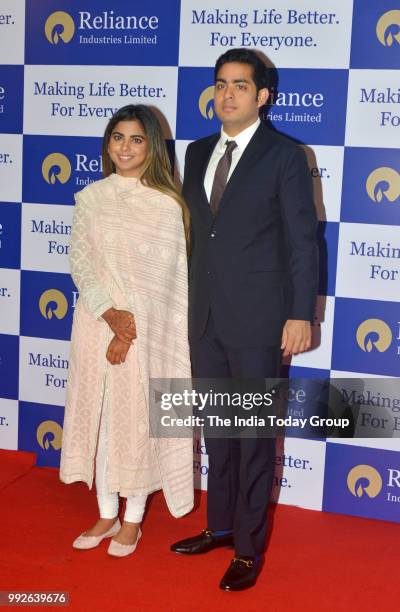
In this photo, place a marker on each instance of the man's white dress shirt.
(242, 140)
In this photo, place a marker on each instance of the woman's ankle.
(101, 526)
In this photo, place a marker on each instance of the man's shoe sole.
(228, 589)
(201, 552)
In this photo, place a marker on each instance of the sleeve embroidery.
(95, 297)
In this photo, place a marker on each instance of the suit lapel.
(256, 147)
(206, 156)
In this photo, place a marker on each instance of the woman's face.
(128, 148)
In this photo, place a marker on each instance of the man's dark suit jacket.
(255, 263)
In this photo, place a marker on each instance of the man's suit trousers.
(241, 470)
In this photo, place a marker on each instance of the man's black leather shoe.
(202, 543)
(241, 574)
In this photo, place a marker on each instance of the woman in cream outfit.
(128, 260)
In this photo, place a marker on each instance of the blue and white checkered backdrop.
(68, 64)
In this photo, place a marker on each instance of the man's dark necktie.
(221, 176)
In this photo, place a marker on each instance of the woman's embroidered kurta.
(127, 251)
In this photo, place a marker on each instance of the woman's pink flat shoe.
(85, 542)
(123, 550)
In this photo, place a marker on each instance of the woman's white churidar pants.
(109, 502)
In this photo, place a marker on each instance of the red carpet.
(13, 465)
(315, 561)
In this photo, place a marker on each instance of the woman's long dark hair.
(157, 168)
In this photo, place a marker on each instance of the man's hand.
(296, 337)
(122, 323)
(117, 351)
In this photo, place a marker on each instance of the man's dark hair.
(245, 56)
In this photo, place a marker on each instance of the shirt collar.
(243, 138)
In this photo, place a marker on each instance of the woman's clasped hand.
(122, 323)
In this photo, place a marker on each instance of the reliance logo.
(53, 302)
(364, 479)
(381, 332)
(60, 26)
(388, 28)
(205, 102)
(49, 433)
(56, 167)
(383, 183)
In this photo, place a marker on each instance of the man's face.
(235, 97)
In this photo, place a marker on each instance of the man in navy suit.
(252, 291)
